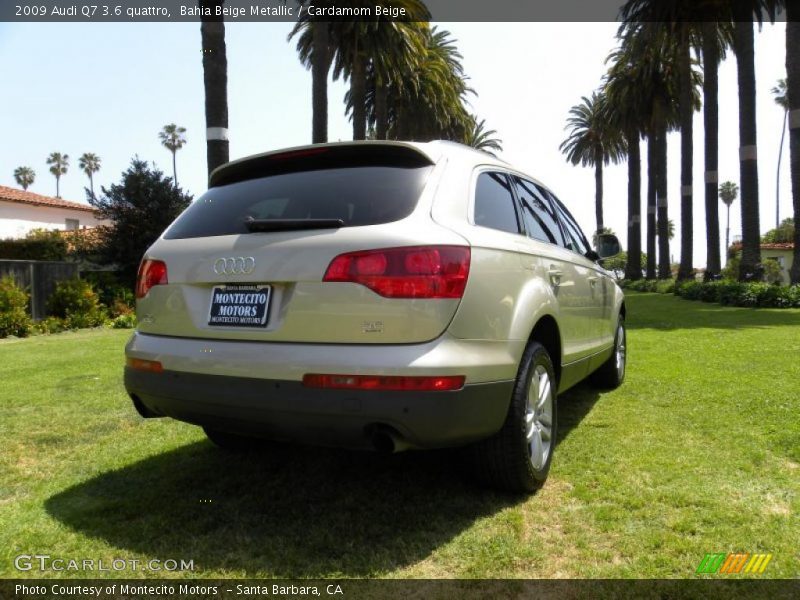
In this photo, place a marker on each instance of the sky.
(109, 88)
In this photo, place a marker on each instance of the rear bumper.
(255, 388)
(281, 409)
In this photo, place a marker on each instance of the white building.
(22, 211)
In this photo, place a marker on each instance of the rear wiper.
(291, 224)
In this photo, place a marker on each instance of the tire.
(512, 460)
(611, 373)
(231, 442)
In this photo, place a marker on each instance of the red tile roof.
(15, 195)
(774, 246)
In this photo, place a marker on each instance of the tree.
(628, 113)
(593, 141)
(781, 99)
(743, 13)
(727, 193)
(782, 234)
(376, 54)
(25, 176)
(676, 18)
(429, 102)
(89, 163)
(139, 209)
(59, 163)
(315, 53)
(215, 83)
(480, 138)
(173, 139)
(793, 92)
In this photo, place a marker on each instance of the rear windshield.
(361, 195)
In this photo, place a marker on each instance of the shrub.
(39, 244)
(76, 301)
(14, 318)
(119, 298)
(51, 325)
(127, 321)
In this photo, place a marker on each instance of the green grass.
(698, 452)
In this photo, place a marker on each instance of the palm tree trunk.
(358, 93)
(91, 184)
(686, 269)
(728, 231)
(750, 267)
(793, 88)
(381, 111)
(175, 170)
(662, 204)
(778, 173)
(711, 126)
(651, 206)
(215, 80)
(320, 65)
(633, 268)
(58, 191)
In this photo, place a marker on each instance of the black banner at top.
(233, 11)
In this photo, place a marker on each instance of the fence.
(39, 278)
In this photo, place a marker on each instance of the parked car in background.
(380, 295)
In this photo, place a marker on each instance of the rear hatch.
(246, 261)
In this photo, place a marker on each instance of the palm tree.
(481, 138)
(173, 139)
(593, 142)
(315, 52)
(59, 163)
(628, 111)
(793, 92)
(385, 48)
(727, 193)
(781, 99)
(215, 82)
(89, 163)
(675, 18)
(429, 102)
(25, 176)
(743, 13)
(716, 37)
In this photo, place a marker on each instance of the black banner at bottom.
(284, 589)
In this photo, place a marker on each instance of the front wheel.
(518, 457)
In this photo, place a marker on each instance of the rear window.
(359, 195)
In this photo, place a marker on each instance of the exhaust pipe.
(388, 442)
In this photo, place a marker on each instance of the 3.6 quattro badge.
(236, 265)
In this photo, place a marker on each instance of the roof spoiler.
(320, 156)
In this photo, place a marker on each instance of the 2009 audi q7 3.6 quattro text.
(382, 295)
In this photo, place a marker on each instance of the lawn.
(698, 452)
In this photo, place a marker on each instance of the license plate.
(239, 306)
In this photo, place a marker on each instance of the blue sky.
(109, 88)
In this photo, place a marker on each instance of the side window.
(494, 203)
(577, 241)
(537, 213)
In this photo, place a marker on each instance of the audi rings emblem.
(238, 265)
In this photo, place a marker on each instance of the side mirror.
(608, 245)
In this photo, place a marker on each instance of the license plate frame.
(228, 308)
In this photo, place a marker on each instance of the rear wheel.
(518, 457)
(612, 373)
(232, 442)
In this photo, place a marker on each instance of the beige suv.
(380, 295)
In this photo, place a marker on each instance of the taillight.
(150, 366)
(151, 272)
(424, 383)
(410, 272)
